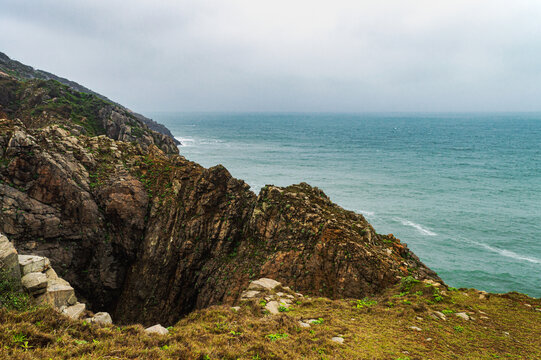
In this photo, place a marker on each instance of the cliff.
(147, 235)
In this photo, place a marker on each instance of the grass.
(10, 297)
(510, 331)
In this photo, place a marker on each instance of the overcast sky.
(255, 55)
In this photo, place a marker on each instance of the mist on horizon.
(345, 56)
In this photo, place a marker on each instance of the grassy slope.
(382, 331)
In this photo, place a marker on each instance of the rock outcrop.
(148, 236)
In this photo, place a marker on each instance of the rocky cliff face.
(147, 235)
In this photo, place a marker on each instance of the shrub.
(408, 282)
(366, 302)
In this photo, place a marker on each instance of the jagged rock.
(157, 329)
(33, 264)
(9, 259)
(263, 284)
(35, 283)
(74, 311)
(101, 318)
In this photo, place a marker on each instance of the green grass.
(375, 332)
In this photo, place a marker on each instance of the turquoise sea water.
(462, 190)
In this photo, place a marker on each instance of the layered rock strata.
(150, 236)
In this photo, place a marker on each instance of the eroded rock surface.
(149, 236)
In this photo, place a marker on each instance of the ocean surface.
(462, 190)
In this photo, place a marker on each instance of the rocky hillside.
(147, 235)
(19, 71)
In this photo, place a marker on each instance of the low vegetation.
(500, 327)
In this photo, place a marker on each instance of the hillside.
(20, 71)
(398, 324)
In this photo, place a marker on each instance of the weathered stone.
(33, 263)
(303, 324)
(416, 328)
(51, 274)
(235, 308)
(74, 311)
(249, 294)
(59, 293)
(440, 315)
(272, 307)
(338, 339)
(263, 284)
(9, 259)
(102, 318)
(157, 329)
(35, 283)
(463, 315)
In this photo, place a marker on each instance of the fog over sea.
(462, 190)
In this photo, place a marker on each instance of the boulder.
(74, 311)
(102, 318)
(59, 293)
(35, 283)
(33, 263)
(263, 284)
(9, 259)
(157, 329)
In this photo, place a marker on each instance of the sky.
(295, 55)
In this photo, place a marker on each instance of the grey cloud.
(287, 55)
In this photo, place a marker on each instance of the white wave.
(510, 254)
(418, 227)
(364, 212)
(186, 141)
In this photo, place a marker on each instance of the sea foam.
(510, 254)
(416, 226)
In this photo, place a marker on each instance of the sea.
(463, 190)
